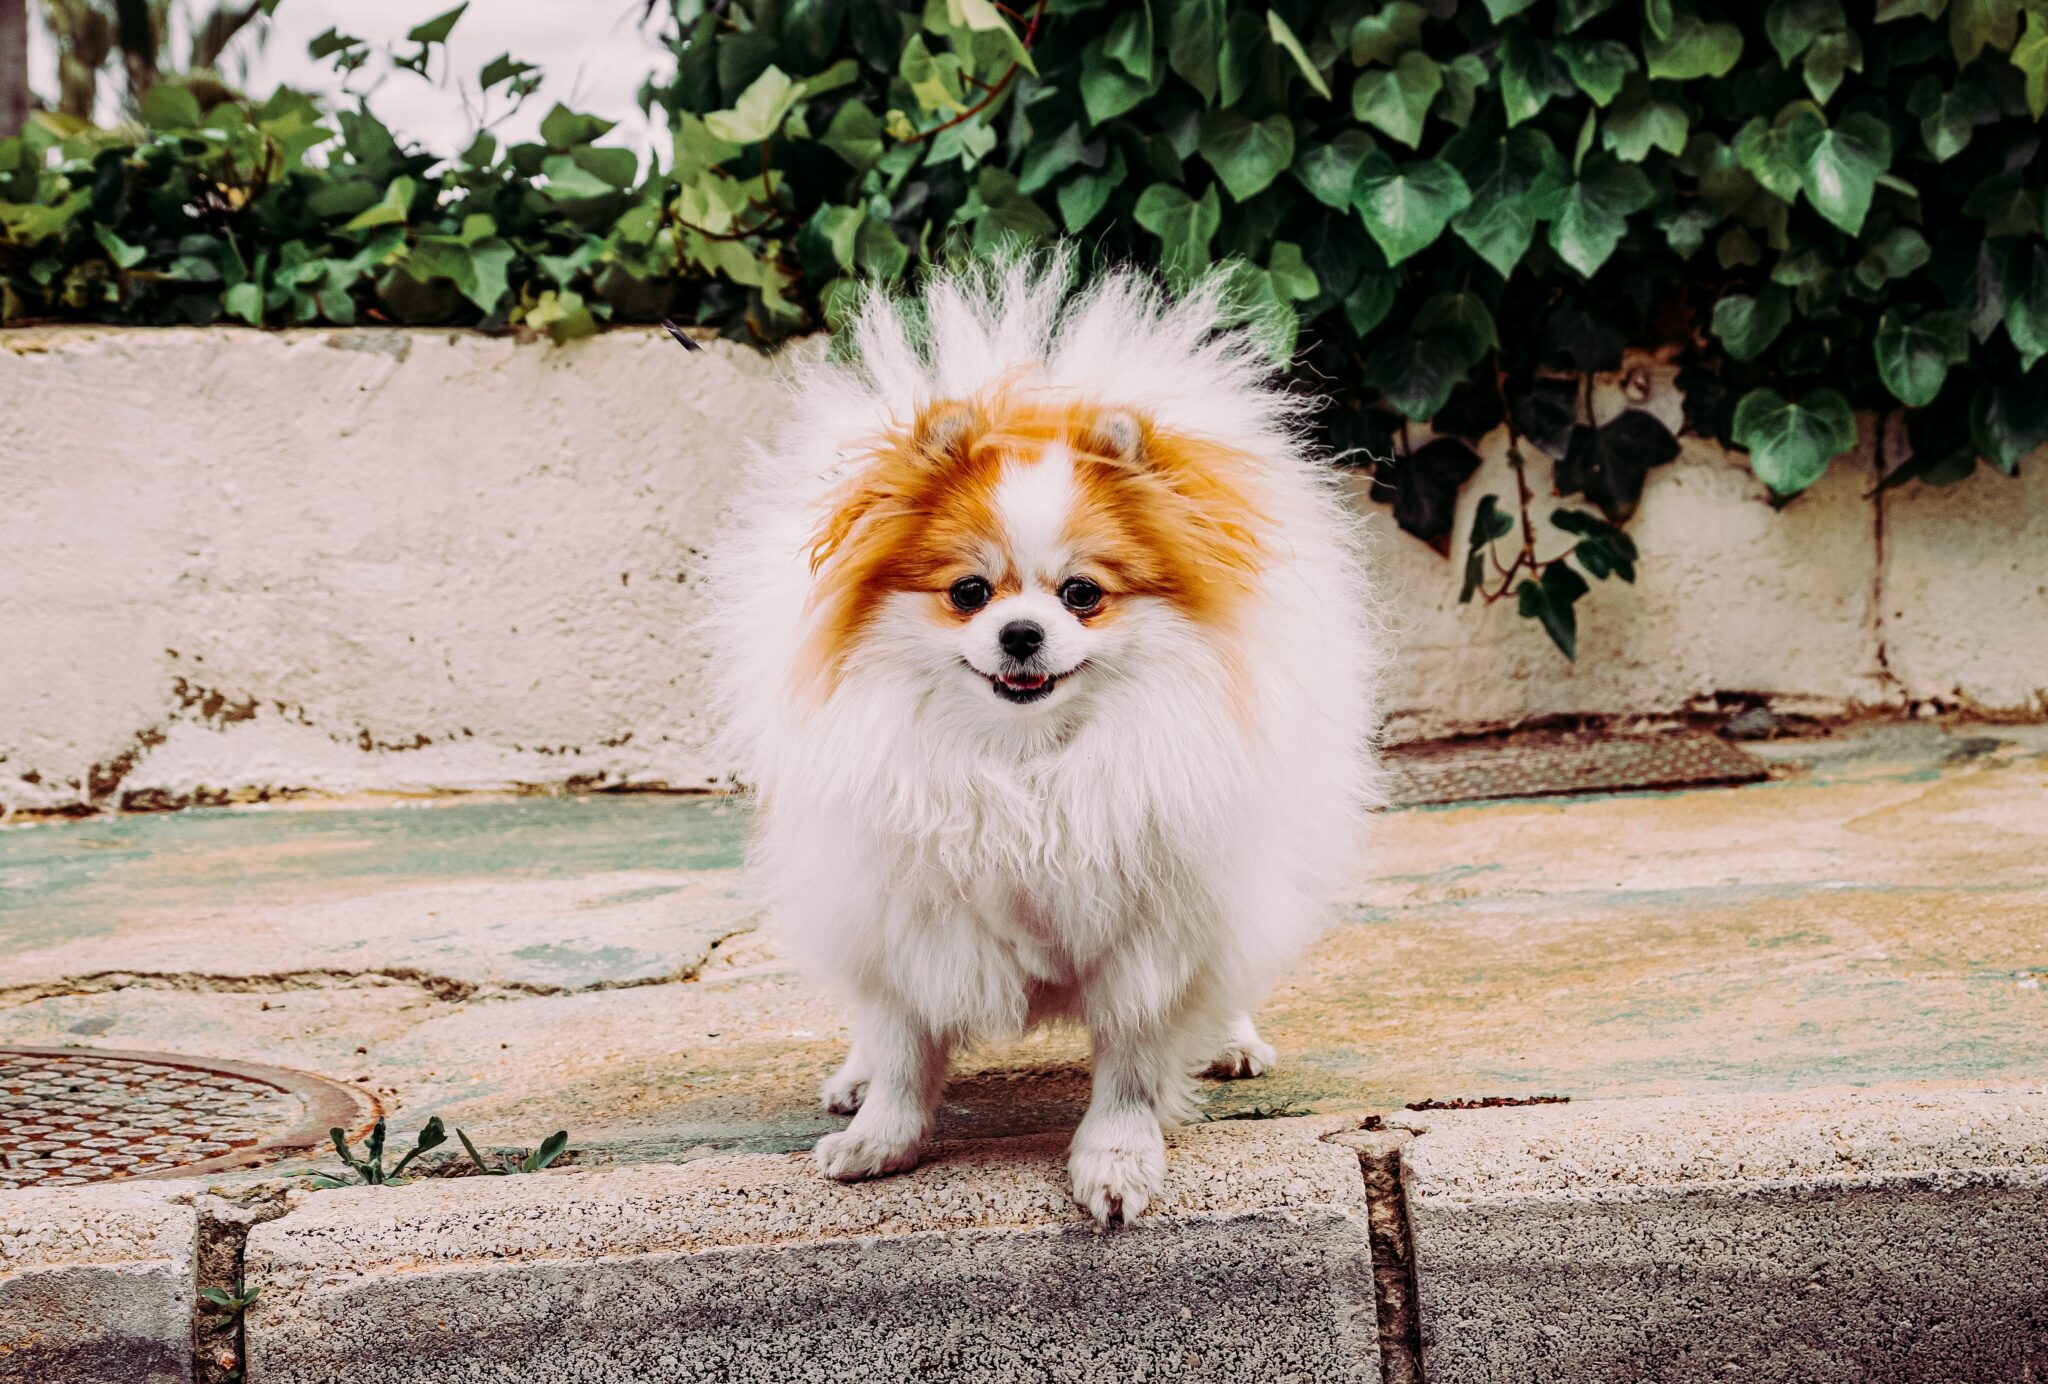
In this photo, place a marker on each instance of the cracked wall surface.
(237, 564)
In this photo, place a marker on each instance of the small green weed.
(522, 1161)
(369, 1170)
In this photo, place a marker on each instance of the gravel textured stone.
(96, 1284)
(1813, 1238)
(976, 1265)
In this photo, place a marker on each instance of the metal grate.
(73, 1115)
(1610, 764)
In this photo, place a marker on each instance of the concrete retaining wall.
(234, 562)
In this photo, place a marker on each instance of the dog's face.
(1007, 552)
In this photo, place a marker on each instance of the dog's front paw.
(843, 1091)
(1243, 1057)
(1116, 1180)
(852, 1154)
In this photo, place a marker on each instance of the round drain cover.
(72, 1115)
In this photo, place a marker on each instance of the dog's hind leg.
(893, 1077)
(1243, 1053)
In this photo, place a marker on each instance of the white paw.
(1116, 1182)
(851, 1154)
(843, 1092)
(1242, 1057)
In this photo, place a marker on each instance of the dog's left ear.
(1118, 436)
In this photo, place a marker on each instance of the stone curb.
(753, 1268)
(1816, 1237)
(98, 1284)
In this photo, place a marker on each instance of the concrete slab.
(1840, 1236)
(530, 894)
(1871, 915)
(741, 1268)
(97, 1285)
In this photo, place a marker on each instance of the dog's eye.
(969, 594)
(1080, 595)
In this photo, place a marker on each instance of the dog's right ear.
(944, 428)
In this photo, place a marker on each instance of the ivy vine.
(1452, 214)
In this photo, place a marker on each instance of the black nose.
(1020, 638)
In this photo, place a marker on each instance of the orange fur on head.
(1156, 514)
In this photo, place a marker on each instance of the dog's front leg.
(1118, 1158)
(901, 1071)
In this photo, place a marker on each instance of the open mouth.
(1024, 687)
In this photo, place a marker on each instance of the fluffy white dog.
(1048, 652)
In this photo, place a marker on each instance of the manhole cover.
(72, 1115)
(1612, 764)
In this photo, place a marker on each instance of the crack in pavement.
(448, 989)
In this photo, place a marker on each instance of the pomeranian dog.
(1046, 647)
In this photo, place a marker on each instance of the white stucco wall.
(234, 562)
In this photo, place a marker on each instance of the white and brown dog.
(1048, 651)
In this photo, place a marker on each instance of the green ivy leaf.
(1914, 354)
(2009, 421)
(759, 111)
(1793, 25)
(1949, 119)
(1767, 153)
(1839, 165)
(1790, 444)
(1385, 35)
(1370, 300)
(1589, 215)
(1464, 77)
(2026, 303)
(2030, 56)
(1328, 170)
(1692, 48)
(1246, 154)
(1550, 603)
(1406, 208)
(1082, 198)
(1829, 61)
(1416, 374)
(1516, 175)
(1289, 44)
(1184, 226)
(1460, 321)
(437, 29)
(1974, 25)
(1108, 89)
(1746, 326)
(245, 300)
(1609, 464)
(124, 255)
(1194, 43)
(1598, 67)
(1639, 123)
(1397, 99)
(169, 106)
(1530, 74)
(1129, 41)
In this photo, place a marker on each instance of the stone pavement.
(1872, 915)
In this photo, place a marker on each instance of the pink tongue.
(1016, 681)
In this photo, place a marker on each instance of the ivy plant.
(1451, 214)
